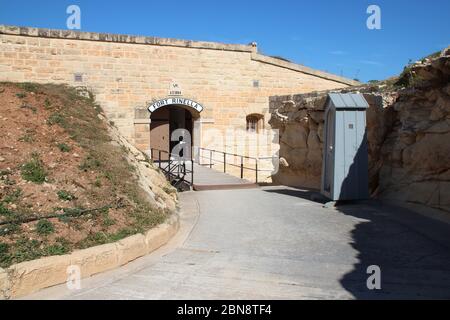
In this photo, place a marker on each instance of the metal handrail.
(171, 168)
(242, 157)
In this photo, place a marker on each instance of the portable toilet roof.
(348, 101)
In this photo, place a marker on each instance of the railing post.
(159, 158)
(242, 167)
(256, 169)
(210, 158)
(224, 162)
(168, 172)
(192, 173)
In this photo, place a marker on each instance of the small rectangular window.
(78, 77)
(255, 123)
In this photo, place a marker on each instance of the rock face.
(408, 129)
(300, 121)
(159, 191)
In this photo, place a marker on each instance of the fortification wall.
(128, 72)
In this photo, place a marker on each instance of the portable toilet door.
(345, 157)
(328, 158)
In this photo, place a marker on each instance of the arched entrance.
(169, 115)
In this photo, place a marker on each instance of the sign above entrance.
(175, 89)
(177, 101)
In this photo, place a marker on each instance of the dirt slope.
(60, 157)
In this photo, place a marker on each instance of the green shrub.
(29, 87)
(61, 247)
(9, 229)
(25, 249)
(65, 195)
(64, 147)
(27, 138)
(90, 163)
(99, 238)
(9, 182)
(107, 222)
(27, 106)
(47, 103)
(3, 248)
(21, 95)
(121, 234)
(34, 170)
(45, 227)
(4, 211)
(56, 118)
(12, 197)
(5, 257)
(97, 182)
(5, 172)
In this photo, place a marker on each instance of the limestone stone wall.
(408, 131)
(127, 72)
(300, 119)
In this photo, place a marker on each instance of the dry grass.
(68, 123)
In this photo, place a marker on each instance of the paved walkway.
(274, 243)
(206, 178)
(211, 179)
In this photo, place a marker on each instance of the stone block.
(159, 236)
(96, 259)
(4, 284)
(131, 248)
(156, 238)
(31, 276)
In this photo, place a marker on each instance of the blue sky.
(323, 34)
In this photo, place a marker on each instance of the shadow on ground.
(307, 194)
(412, 251)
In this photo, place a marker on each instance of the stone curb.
(27, 277)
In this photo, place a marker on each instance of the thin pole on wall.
(224, 162)
(242, 167)
(192, 172)
(256, 170)
(210, 159)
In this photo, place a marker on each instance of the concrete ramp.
(210, 179)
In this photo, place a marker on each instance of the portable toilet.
(345, 155)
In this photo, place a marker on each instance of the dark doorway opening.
(164, 122)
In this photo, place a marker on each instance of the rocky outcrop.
(416, 154)
(300, 120)
(408, 129)
(159, 192)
